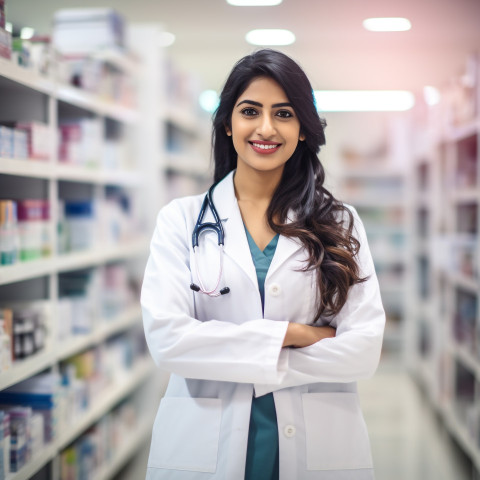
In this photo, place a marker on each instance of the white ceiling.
(332, 46)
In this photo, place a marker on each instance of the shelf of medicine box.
(467, 359)
(140, 372)
(73, 173)
(465, 195)
(135, 441)
(182, 118)
(73, 261)
(47, 170)
(25, 368)
(105, 329)
(27, 168)
(94, 103)
(35, 464)
(461, 434)
(26, 77)
(374, 201)
(119, 60)
(142, 369)
(372, 173)
(457, 133)
(470, 284)
(186, 164)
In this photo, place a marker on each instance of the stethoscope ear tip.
(224, 291)
(194, 287)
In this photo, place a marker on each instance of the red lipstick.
(263, 147)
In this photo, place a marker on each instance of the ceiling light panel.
(390, 24)
(270, 36)
(254, 3)
(364, 100)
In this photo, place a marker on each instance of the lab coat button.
(274, 289)
(289, 431)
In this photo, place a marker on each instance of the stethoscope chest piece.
(199, 228)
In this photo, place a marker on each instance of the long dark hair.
(323, 224)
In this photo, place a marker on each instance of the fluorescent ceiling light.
(27, 33)
(364, 100)
(209, 100)
(9, 27)
(254, 3)
(270, 36)
(392, 24)
(166, 39)
(431, 95)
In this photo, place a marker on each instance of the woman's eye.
(285, 114)
(249, 112)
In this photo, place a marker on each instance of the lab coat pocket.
(185, 434)
(336, 434)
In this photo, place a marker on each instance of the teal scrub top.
(262, 448)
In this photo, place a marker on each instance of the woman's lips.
(265, 148)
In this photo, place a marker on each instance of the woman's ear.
(301, 137)
(228, 130)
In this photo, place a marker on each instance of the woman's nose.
(266, 128)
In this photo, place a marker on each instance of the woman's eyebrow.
(258, 104)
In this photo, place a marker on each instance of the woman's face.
(265, 129)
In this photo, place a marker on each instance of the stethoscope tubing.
(199, 228)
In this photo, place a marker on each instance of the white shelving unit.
(50, 99)
(175, 137)
(444, 297)
(377, 185)
(169, 144)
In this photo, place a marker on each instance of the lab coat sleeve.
(354, 352)
(181, 344)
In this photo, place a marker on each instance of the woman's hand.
(299, 335)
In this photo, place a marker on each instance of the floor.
(408, 441)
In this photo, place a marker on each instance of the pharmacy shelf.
(461, 434)
(35, 464)
(100, 176)
(119, 60)
(142, 369)
(109, 397)
(26, 77)
(107, 328)
(22, 369)
(466, 195)
(365, 201)
(67, 93)
(372, 173)
(185, 164)
(72, 261)
(94, 103)
(460, 132)
(467, 283)
(182, 118)
(135, 441)
(466, 357)
(26, 168)
(65, 172)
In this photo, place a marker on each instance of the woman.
(263, 376)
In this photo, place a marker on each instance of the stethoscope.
(217, 227)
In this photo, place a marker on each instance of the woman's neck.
(254, 186)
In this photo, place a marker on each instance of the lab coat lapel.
(236, 243)
(286, 247)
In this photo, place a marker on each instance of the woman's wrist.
(299, 335)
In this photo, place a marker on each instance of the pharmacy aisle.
(78, 389)
(408, 440)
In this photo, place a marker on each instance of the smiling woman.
(263, 124)
(264, 372)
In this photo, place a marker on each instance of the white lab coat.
(221, 351)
